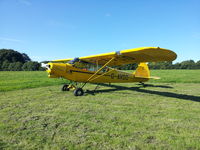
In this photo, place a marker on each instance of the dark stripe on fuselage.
(87, 72)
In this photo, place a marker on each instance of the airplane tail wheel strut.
(142, 83)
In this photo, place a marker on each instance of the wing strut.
(101, 75)
(90, 78)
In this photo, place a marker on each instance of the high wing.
(129, 56)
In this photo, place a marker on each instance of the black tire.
(78, 92)
(65, 87)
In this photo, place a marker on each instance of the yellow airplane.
(97, 68)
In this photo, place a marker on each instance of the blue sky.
(57, 29)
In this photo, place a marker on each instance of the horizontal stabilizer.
(153, 77)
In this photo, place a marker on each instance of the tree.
(17, 66)
(176, 66)
(160, 65)
(5, 65)
(198, 65)
(11, 56)
(26, 57)
(188, 64)
(11, 60)
(31, 66)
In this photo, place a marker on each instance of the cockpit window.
(88, 66)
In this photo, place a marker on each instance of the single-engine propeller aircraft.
(98, 68)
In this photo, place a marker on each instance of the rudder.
(142, 71)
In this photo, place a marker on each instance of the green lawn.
(163, 115)
(14, 80)
(177, 76)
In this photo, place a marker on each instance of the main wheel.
(78, 92)
(65, 87)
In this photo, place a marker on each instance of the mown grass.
(176, 76)
(123, 116)
(14, 80)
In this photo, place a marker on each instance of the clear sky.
(57, 29)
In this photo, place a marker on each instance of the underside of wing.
(137, 55)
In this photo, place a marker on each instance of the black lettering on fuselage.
(112, 76)
(122, 76)
(119, 76)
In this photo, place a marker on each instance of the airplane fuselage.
(68, 71)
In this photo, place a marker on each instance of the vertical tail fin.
(142, 71)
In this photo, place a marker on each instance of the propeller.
(46, 66)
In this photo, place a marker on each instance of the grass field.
(14, 80)
(35, 114)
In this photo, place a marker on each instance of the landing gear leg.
(67, 87)
(77, 88)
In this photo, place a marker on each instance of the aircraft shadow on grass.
(142, 90)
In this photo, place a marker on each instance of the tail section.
(142, 71)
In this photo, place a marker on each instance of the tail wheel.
(78, 92)
(142, 83)
(65, 87)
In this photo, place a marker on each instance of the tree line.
(188, 64)
(11, 60)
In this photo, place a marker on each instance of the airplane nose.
(55, 69)
(46, 66)
(52, 70)
(49, 68)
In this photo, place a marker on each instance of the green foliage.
(5, 65)
(126, 67)
(26, 57)
(188, 64)
(11, 60)
(11, 56)
(17, 66)
(160, 65)
(31, 66)
(198, 64)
